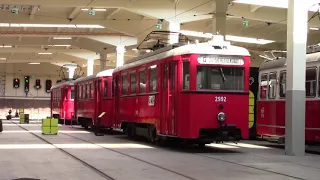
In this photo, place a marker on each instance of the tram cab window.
(133, 83)
(263, 86)
(143, 81)
(186, 75)
(91, 90)
(153, 78)
(311, 82)
(79, 92)
(220, 78)
(124, 84)
(272, 87)
(283, 84)
(105, 88)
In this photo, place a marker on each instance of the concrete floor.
(23, 155)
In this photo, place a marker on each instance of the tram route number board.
(151, 100)
(224, 60)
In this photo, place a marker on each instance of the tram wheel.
(201, 145)
(130, 130)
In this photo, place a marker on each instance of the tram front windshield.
(220, 78)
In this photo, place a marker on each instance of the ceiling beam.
(254, 8)
(74, 13)
(112, 12)
(33, 12)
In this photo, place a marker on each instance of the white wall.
(42, 71)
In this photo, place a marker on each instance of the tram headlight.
(221, 116)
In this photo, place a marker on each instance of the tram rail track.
(106, 176)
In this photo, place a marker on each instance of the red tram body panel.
(196, 92)
(271, 99)
(62, 102)
(94, 96)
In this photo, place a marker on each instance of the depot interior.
(49, 41)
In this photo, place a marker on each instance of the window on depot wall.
(263, 86)
(311, 82)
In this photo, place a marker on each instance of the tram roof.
(183, 49)
(66, 83)
(282, 62)
(99, 74)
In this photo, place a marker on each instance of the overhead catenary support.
(296, 75)
(120, 55)
(103, 60)
(90, 67)
(219, 18)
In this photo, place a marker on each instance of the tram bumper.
(226, 132)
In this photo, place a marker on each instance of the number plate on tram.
(221, 99)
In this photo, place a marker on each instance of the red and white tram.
(62, 102)
(94, 95)
(272, 93)
(196, 92)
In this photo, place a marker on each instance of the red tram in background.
(62, 102)
(272, 93)
(94, 95)
(194, 92)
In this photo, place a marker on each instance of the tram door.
(168, 123)
(98, 98)
(115, 81)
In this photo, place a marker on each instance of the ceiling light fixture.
(5, 46)
(34, 63)
(315, 29)
(95, 9)
(3, 58)
(134, 49)
(60, 45)
(228, 37)
(57, 25)
(44, 53)
(62, 37)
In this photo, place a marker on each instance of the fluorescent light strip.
(272, 3)
(61, 45)
(96, 9)
(34, 63)
(228, 37)
(62, 37)
(5, 46)
(315, 29)
(3, 58)
(54, 25)
(44, 53)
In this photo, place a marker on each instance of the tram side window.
(165, 79)
(153, 78)
(263, 86)
(91, 90)
(283, 84)
(311, 82)
(79, 92)
(133, 82)
(143, 81)
(72, 94)
(272, 88)
(105, 88)
(186, 75)
(124, 84)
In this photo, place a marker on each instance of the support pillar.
(103, 61)
(174, 27)
(90, 67)
(120, 55)
(296, 75)
(219, 19)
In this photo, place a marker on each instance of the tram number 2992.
(221, 99)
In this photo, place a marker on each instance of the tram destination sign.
(224, 60)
